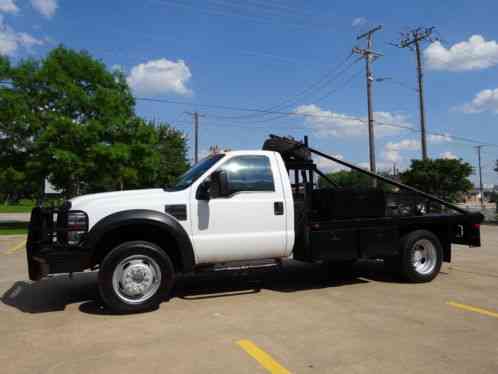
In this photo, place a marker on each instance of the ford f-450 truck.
(242, 207)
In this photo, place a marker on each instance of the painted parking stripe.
(474, 309)
(16, 248)
(262, 357)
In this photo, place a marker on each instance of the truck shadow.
(56, 293)
(51, 294)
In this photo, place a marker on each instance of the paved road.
(296, 318)
(14, 217)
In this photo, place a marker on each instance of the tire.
(135, 277)
(421, 257)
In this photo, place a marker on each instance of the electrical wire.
(261, 18)
(326, 79)
(309, 115)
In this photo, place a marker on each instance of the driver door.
(247, 224)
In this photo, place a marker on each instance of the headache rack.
(297, 156)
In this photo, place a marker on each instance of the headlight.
(77, 226)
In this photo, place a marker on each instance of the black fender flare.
(160, 220)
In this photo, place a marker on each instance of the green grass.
(13, 228)
(24, 206)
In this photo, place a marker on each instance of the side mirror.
(203, 191)
(220, 186)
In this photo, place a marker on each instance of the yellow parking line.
(262, 357)
(473, 309)
(16, 248)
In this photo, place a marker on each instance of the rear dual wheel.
(420, 259)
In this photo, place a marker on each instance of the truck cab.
(236, 207)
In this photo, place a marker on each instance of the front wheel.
(422, 256)
(135, 277)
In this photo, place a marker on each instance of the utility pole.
(369, 55)
(415, 37)
(196, 116)
(480, 174)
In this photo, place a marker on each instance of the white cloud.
(380, 166)
(8, 6)
(159, 77)
(448, 155)
(11, 41)
(392, 151)
(359, 21)
(439, 138)
(486, 100)
(46, 8)
(328, 166)
(329, 123)
(474, 54)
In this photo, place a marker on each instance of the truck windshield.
(195, 172)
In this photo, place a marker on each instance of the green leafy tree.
(58, 109)
(172, 154)
(69, 118)
(448, 179)
(353, 179)
(15, 133)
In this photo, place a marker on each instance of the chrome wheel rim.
(136, 279)
(424, 256)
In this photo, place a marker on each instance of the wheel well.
(133, 232)
(442, 233)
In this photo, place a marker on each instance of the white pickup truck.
(241, 206)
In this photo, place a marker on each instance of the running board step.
(241, 265)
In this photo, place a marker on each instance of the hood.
(100, 205)
(81, 200)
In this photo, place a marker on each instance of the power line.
(292, 99)
(396, 82)
(267, 7)
(318, 100)
(260, 18)
(309, 115)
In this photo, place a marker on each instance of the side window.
(249, 173)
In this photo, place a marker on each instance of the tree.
(445, 178)
(353, 179)
(57, 109)
(68, 118)
(172, 154)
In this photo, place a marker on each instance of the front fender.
(160, 220)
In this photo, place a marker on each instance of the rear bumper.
(46, 252)
(468, 232)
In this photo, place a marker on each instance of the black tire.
(140, 259)
(421, 256)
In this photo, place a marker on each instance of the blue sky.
(260, 53)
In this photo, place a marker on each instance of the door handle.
(278, 208)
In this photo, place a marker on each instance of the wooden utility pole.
(195, 136)
(481, 189)
(415, 37)
(369, 56)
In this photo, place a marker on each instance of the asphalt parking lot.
(291, 320)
